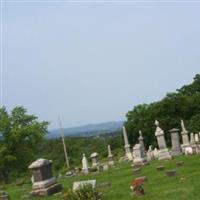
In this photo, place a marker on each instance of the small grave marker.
(180, 164)
(171, 173)
(160, 168)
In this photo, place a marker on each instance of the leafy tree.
(182, 104)
(19, 135)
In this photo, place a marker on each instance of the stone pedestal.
(94, 158)
(163, 153)
(43, 181)
(185, 138)
(127, 148)
(110, 156)
(176, 148)
(139, 158)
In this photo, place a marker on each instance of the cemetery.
(125, 166)
(158, 177)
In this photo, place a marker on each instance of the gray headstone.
(163, 153)
(43, 181)
(176, 147)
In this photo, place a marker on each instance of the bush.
(86, 192)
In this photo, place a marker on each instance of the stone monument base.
(163, 154)
(176, 152)
(55, 188)
(140, 161)
(129, 156)
(183, 146)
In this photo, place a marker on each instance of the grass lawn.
(184, 186)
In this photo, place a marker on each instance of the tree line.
(184, 104)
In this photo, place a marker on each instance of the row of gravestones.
(43, 182)
(141, 157)
(95, 162)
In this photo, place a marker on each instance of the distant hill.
(88, 130)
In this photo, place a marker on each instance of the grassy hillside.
(184, 186)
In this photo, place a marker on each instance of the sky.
(93, 62)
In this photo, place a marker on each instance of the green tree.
(182, 104)
(19, 135)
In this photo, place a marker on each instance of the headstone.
(163, 153)
(171, 173)
(160, 168)
(176, 147)
(128, 153)
(104, 185)
(192, 143)
(77, 185)
(110, 156)
(43, 181)
(150, 154)
(4, 196)
(94, 158)
(155, 153)
(196, 137)
(185, 138)
(141, 142)
(180, 164)
(105, 167)
(139, 157)
(85, 166)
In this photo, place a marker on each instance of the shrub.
(86, 192)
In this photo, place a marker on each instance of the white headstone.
(77, 185)
(163, 150)
(85, 166)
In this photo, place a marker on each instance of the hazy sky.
(93, 63)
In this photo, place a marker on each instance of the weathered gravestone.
(139, 155)
(43, 181)
(180, 164)
(192, 143)
(141, 142)
(176, 147)
(94, 158)
(150, 155)
(160, 168)
(163, 153)
(171, 173)
(79, 184)
(85, 166)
